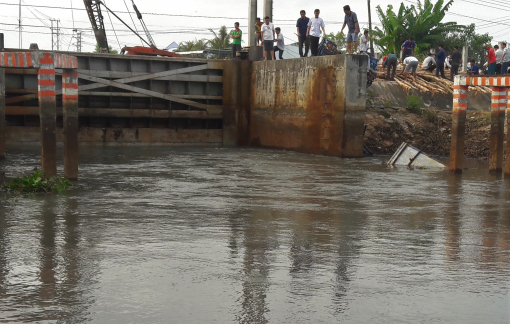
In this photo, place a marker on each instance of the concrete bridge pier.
(458, 127)
(498, 106)
(48, 115)
(2, 114)
(70, 115)
(507, 156)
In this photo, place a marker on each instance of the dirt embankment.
(428, 130)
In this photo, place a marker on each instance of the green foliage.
(414, 104)
(423, 23)
(430, 115)
(112, 51)
(196, 45)
(468, 37)
(388, 103)
(339, 39)
(221, 40)
(36, 183)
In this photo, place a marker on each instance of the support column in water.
(47, 114)
(458, 126)
(2, 114)
(70, 112)
(499, 102)
(507, 157)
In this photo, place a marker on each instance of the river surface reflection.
(215, 235)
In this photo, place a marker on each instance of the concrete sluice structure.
(312, 105)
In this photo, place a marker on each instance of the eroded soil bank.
(428, 130)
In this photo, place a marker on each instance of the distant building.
(172, 47)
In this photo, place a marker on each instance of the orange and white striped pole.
(70, 112)
(499, 100)
(47, 114)
(460, 93)
(2, 114)
(507, 157)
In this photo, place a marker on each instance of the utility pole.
(78, 40)
(370, 29)
(55, 31)
(19, 26)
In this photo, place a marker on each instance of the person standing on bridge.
(491, 55)
(505, 60)
(314, 31)
(258, 32)
(236, 35)
(351, 20)
(280, 46)
(302, 27)
(268, 36)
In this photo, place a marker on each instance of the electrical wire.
(130, 16)
(109, 17)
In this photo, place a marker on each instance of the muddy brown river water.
(217, 235)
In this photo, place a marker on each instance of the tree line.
(220, 40)
(424, 23)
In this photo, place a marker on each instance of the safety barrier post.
(47, 114)
(70, 113)
(498, 106)
(458, 125)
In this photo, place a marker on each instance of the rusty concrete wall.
(311, 105)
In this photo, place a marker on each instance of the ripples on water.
(214, 235)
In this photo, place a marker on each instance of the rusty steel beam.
(70, 113)
(2, 113)
(47, 113)
(498, 106)
(460, 93)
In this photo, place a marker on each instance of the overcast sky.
(178, 21)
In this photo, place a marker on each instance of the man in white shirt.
(410, 62)
(506, 59)
(363, 43)
(280, 46)
(314, 32)
(429, 64)
(499, 59)
(268, 37)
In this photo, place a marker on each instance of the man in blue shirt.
(391, 61)
(351, 20)
(474, 68)
(440, 58)
(408, 48)
(302, 26)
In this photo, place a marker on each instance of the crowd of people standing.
(309, 32)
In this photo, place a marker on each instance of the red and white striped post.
(2, 114)
(458, 126)
(498, 106)
(507, 157)
(70, 112)
(47, 114)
